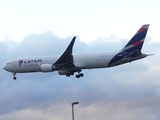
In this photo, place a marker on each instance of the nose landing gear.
(14, 76)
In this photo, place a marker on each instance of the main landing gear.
(14, 76)
(77, 76)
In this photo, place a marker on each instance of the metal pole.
(74, 103)
(72, 111)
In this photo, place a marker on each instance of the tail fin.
(136, 43)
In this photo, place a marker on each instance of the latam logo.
(20, 62)
(33, 61)
(28, 62)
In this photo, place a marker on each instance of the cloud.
(3, 33)
(129, 91)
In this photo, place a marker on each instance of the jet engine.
(47, 67)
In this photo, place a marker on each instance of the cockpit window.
(9, 63)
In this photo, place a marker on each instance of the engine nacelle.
(63, 72)
(47, 67)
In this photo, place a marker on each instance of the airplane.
(67, 64)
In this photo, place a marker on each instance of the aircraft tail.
(132, 50)
(136, 43)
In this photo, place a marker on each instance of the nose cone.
(5, 67)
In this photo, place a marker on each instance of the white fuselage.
(83, 61)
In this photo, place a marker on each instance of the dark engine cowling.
(48, 68)
(63, 72)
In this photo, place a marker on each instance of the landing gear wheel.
(71, 73)
(14, 78)
(81, 74)
(68, 75)
(77, 76)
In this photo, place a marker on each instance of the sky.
(45, 27)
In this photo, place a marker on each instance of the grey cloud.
(126, 89)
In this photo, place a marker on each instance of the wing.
(66, 63)
(66, 59)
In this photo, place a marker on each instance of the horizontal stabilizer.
(149, 54)
(135, 54)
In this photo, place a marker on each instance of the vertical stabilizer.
(136, 43)
(132, 50)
